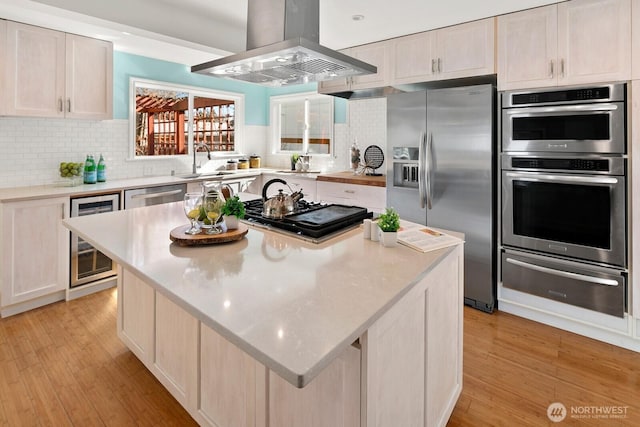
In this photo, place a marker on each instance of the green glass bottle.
(90, 173)
(101, 170)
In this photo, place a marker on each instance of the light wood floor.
(62, 365)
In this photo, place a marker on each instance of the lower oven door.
(582, 285)
(572, 215)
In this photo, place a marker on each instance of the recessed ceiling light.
(357, 17)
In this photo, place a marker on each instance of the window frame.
(275, 103)
(193, 91)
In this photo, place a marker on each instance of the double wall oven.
(564, 195)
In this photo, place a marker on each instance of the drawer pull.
(350, 191)
(566, 274)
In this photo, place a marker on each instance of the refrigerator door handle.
(428, 173)
(421, 170)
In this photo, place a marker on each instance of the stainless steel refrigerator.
(442, 150)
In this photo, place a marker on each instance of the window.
(168, 119)
(302, 123)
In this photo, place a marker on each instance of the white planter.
(389, 239)
(231, 221)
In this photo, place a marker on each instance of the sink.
(204, 174)
(300, 172)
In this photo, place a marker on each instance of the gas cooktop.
(315, 222)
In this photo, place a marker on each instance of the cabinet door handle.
(433, 66)
(562, 68)
(551, 69)
(350, 191)
(60, 108)
(69, 105)
(439, 65)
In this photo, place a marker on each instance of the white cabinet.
(331, 399)
(464, 50)
(373, 53)
(635, 41)
(34, 252)
(175, 361)
(52, 74)
(412, 58)
(307, 185)
(161, 334)
(366, 196)
(135, 322)
(412, 355)
(575, 42)
(229, 382)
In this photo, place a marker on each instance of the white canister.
(366, 229)
(375, 231)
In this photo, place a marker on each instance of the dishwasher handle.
(154, 195)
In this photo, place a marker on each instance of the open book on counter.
(423, 238)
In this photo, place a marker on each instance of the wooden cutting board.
(178, 236)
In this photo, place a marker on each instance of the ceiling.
(196, 31)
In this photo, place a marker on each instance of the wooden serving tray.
(178, 236)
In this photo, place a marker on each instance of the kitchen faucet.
(195, 149)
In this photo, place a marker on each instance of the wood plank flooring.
(63, 365)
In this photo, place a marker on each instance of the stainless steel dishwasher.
(148, 196)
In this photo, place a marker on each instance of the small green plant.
(233, 206)
(389, 220)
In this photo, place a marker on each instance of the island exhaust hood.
(283, 48)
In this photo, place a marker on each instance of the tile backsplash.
(32, 148)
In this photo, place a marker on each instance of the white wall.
(32, 148)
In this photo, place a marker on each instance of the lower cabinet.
(306, 185)
(34, 253)
(230, 382)
(366, 196)
(412, 356)
(331, 399)
(405, 370)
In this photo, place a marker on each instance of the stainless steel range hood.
(283, 48)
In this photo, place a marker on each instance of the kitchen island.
(272, 330)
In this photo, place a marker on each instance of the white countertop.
(60, 190)
(293, 306)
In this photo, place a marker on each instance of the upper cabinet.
(635, 41)
(465, 50)
(575, 42)
(373, 53)
(413, 58)
(53, 74)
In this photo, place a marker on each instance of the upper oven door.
(578, 216)
(582, 128)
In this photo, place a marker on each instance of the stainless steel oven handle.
(154, 195)
(557, 178)
(421, 171)
(564, 109)
(566, 274)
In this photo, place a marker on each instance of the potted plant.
(232, 211)
(389, 223)
(294, 160)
